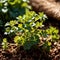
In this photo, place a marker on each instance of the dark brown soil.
(21, 54)
(13, 53)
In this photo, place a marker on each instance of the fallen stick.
(50, 8)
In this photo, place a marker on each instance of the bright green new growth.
(26, 28)
(53, 32)
(4, 44)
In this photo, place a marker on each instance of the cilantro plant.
(49, 36)
(10, 9)
(4, 44)
(26, 28)
(53, 32)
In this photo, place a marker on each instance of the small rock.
(55, 43)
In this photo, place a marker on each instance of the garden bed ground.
(33, 54)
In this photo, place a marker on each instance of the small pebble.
(55, 43)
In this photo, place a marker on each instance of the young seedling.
(5, 44)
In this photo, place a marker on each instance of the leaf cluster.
(26, 28)
(10, 9)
